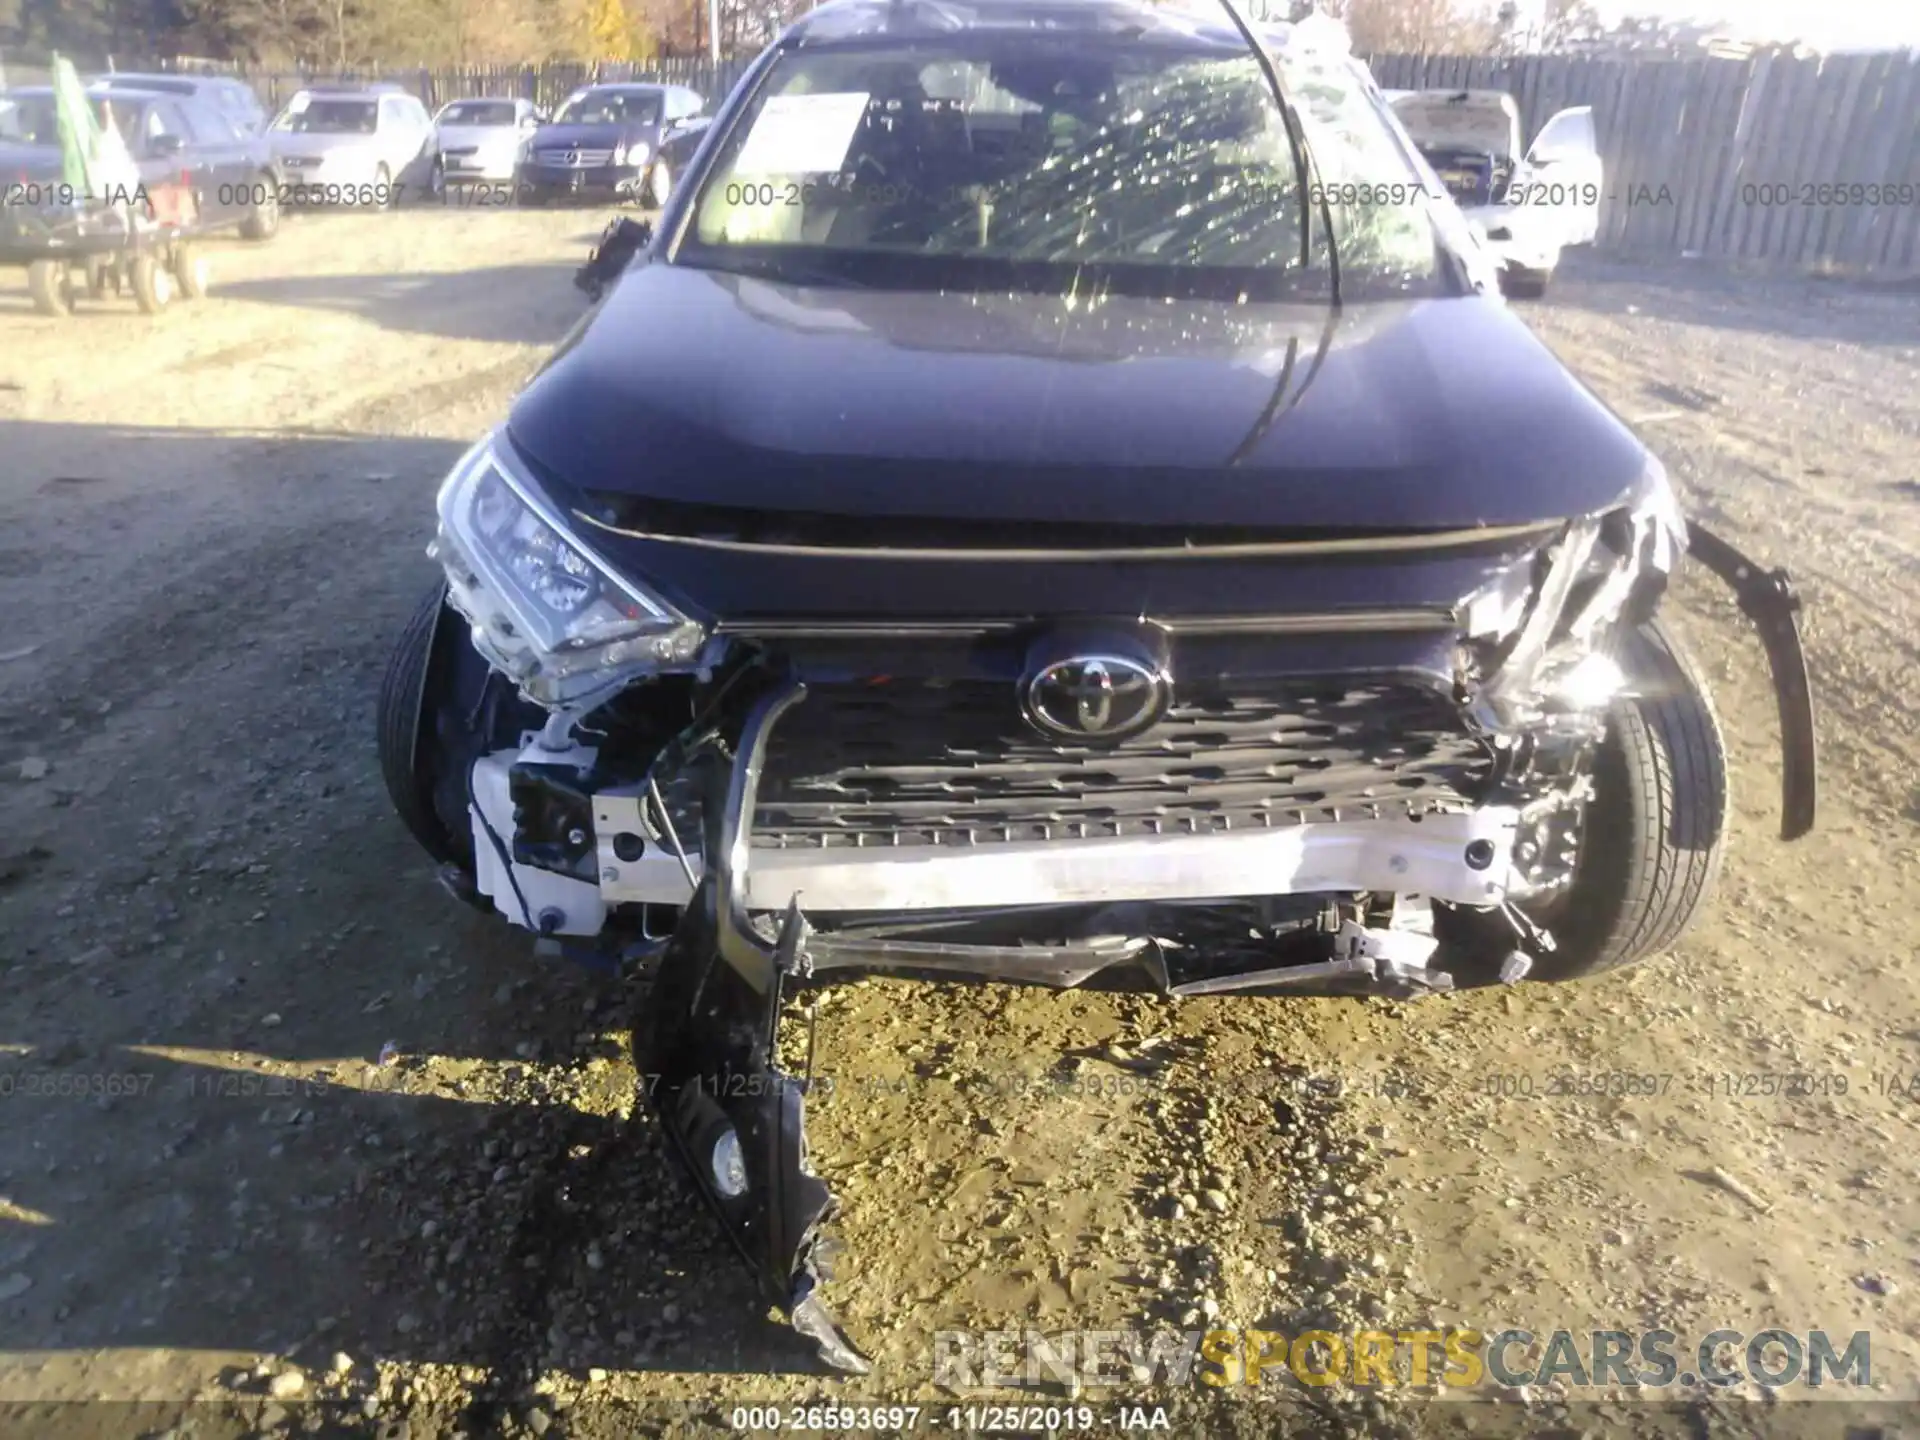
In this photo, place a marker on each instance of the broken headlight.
(546, 610)
(1537, 635)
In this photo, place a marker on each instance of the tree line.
(365, 34)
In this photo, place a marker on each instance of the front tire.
(50, 284)
(263, 219)
(403, 701)
(190, 268)
(659, 184)
(440, 709)
(153, 284)
(1657, 825)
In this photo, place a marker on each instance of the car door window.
(164, 118)
(213, 125)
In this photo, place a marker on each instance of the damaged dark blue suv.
(1058, 499)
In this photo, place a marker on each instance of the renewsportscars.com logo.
(969, 1360)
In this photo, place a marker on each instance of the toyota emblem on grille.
(1095, 697)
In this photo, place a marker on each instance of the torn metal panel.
(1768, 598)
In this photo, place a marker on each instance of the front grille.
(574, 159)
(956, 764)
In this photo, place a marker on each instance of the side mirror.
(161, 146)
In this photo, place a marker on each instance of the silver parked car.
(358, 146)
(482, 139)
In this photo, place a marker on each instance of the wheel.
(441, 707)
(1517, 283)
(1653, 833)
(191, 270)
(383, 185)
(437, 178)
(263, 219)
(51, 286)
(659, 184)
(152, 284)
(402, 692)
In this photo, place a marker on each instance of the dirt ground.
(211, 928)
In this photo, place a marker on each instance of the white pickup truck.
(1527, 207)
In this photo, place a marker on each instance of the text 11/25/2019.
(962, 1419)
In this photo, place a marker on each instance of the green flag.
(79, 130)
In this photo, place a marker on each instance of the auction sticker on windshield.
(802, 134)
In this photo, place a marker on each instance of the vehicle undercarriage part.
(1767, 598)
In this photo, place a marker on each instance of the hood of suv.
(724, 391)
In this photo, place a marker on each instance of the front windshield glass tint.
(478, 112)
(1023, 153)
(612, 107)
(332, 117)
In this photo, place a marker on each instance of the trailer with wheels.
(140, 245)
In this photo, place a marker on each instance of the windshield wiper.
(1303, 166)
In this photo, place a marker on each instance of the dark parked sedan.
(605, 142)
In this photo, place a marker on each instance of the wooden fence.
(1807, 163)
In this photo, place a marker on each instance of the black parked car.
(605, 142)
(1020, 518)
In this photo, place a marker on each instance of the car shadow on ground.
(451, 305)
(1714, 295)
(267, 1088)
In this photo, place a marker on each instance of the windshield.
(478, 112)
(1147, 163)
(330, 117)
(612, 107)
